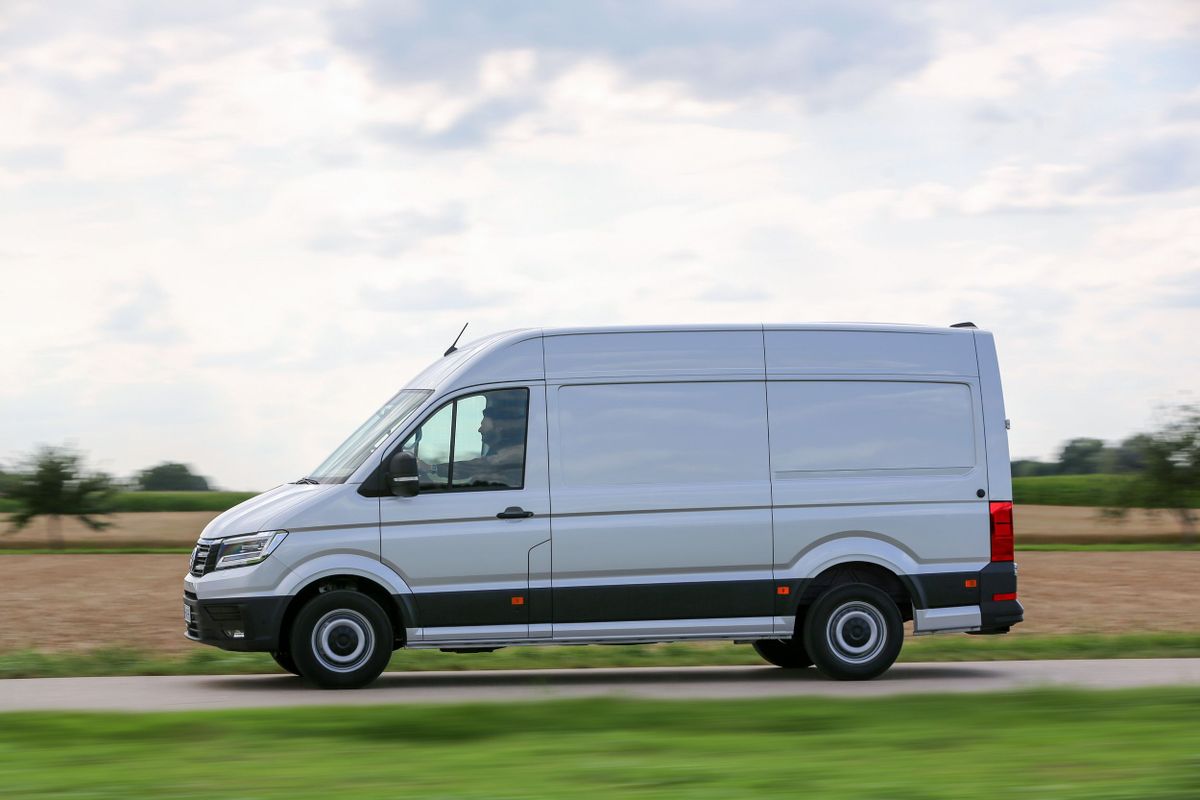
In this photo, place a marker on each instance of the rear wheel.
(787, 653)
(341, 640)
(854, 632)
(284, 659)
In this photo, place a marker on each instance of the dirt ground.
(181, 529)
(82, 602)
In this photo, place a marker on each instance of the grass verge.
(1061, 744)
(211, 661)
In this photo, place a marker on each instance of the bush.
(171, 477)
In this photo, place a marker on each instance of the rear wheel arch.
(897, 586)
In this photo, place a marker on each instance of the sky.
(230, 230)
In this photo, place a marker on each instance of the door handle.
(514, 512)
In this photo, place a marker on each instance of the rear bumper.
(997, 616)
(965, 601)
(242, 624)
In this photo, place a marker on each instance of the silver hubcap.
(856, 632)
(343, 640)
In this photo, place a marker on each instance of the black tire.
(853, 632)
(786, 653)
(284, 659)
(341, 640)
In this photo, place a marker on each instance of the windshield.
(372, 433)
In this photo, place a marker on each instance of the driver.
(502, 431)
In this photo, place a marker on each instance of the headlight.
(241, 551)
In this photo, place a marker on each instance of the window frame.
(453, 401)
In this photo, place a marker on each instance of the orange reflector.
(783, 590)
(1005, 596)
(518, 601)
(970, 583)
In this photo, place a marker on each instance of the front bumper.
(243, 624)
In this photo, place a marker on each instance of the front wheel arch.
(356, 583)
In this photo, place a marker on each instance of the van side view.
(804, 488)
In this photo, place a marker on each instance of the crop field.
(1074, 490)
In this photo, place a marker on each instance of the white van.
(806, 488)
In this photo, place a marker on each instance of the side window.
(430, 444)
(475, 442)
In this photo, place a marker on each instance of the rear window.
(869, 426)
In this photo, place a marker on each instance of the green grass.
(205, 660)
(1074, 490)
(163, 501)
(1061, 744)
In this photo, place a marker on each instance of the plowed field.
(82, 602)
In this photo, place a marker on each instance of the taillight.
(1002, 531)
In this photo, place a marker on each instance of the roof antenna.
(454, 346)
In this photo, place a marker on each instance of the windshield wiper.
(307, 480)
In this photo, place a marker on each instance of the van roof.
(895, 327)
(527, 354)
(517, 334)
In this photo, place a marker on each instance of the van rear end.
(999, 607)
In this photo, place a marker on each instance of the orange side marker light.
(518, 601)
(970, 583)
(783, 590)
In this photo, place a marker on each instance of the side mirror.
(402, 479)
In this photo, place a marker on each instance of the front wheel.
(854, 632)
(787, 653)
(341, 640)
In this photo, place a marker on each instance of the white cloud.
(984, 58)
(245, 235)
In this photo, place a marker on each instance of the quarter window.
(473, 442)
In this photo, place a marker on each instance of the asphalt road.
(185, 693)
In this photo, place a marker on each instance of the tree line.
(168, 476)
(1087, 456)
(54, 482)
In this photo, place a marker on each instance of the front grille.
(204, 558)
